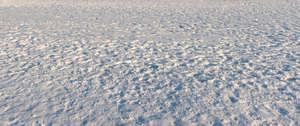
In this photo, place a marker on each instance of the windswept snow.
(138, 62)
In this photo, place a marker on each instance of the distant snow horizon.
(147, 3)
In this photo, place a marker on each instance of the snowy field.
(150, 62)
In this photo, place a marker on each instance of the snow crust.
(138, 62)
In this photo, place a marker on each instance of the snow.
(138, 62)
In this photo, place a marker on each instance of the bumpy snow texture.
(149, 62)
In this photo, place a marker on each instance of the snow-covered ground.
(149, 62)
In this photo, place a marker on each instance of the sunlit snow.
(149, 62)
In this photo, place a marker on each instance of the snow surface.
(149, 62)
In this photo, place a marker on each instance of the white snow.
(149, 62)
